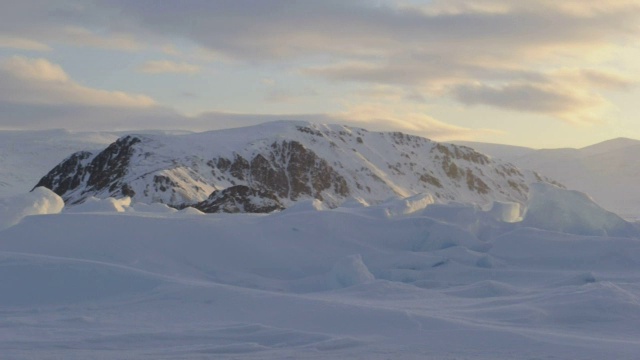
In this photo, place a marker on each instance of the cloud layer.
(551, 58)
(498, 53)
(38, 81)
(36, 93)
(167, 66)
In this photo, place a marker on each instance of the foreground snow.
(403, 280)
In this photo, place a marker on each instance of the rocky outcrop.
(289, 170)
(240, 199)
(92, 174)
(68, 175)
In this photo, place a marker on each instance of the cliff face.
(284, 162)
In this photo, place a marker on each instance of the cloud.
(40, 82)
(283, 95)
(167, 66)
(256, 30)
(573, 105)
(381, 117)
(370, 116)
(37, 94)
(595, 78)
(80, 36)
(478, 52)
(569, 94)
(22, 43)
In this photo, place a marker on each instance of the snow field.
(405, 279)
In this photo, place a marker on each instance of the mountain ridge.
(294, 160)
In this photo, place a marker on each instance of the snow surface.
(356, 282)
(93, 204)
(40, 201)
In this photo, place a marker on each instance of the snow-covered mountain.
(284, 162)
(607, 171)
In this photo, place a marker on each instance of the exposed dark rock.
(68, 174)
(110, 165)
(291, 171)
(240, 198)
(239, 167)
(104, 171)
(430, 179)
(476, 184)
(307, 130)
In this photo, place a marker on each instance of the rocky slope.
(281, 163)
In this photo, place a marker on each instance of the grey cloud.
(255, 30)
(90, 118)
(84, 118)
(517, 97)
(569, 104)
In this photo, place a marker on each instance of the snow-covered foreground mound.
(573, 212)
(399, 281)
(38, 202)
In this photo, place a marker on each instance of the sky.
(542, 74)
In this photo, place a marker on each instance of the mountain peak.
(610, 145)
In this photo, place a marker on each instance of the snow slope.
(405, 279)
(608, 171)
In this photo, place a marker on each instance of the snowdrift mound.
(509, 212)
(350, 271)
(573, 212)
(354, 203)
(155, 208)
(95, 205)
(40, 201)
(306, 206)
(409, 205)
(188, 211)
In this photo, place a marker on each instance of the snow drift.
(147, 283)
(38, 202)
(556, 209)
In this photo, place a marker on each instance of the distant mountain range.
(608, 171)
(190, 167)
(271, 166)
